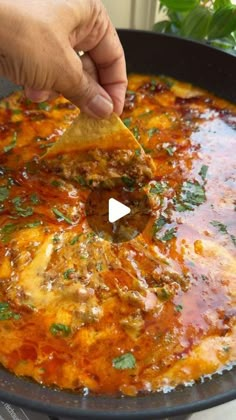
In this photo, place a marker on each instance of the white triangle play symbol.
(116, 210)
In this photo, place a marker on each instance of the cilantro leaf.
(168, 235)
(12, 144)
(68, 272)
(4, 193)
(203, 172)
(192, 194)
(127, 122)
(158, 188)
(220, 226)
(59, 215)
(125, 361)
(60, 330)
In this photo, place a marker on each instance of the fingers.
(40, 95)
(103, 45)
(109, 59)
(80, 88)
(47, 95)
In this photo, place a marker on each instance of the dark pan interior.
(209, 68)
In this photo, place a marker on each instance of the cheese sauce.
(85, 314)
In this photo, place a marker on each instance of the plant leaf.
(223, 22)
(162, 27)
(196, 23)
(218, 4)
(180, 5)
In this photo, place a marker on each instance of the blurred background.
(139, 14)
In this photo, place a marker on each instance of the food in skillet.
(146, 315)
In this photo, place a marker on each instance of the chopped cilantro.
(127, 122)
(125, 361)
(233, 239)
(136, 133)
(56, 239)
(158, 188)
(34, 198)
(179, 308)
(99, 266)
(159, 223)
(137, 152)
(28, 211)
(12, 144)
(56, 183)
(17, 201)
(60, 330)
(33, 224)
(74, 240)
(220, 226)
(170, 150)
(223, 229)
(203, 172)
(168, 235)
(6, 313)
(81, 180)
(192, 194)
(60, 216)
(129, 182)
(152, 131)
(226, 348)
(44, 106)
(4, 193)
(165, 295)
(68, 272)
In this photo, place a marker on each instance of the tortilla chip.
(86, 133)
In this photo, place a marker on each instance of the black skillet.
(206, 67)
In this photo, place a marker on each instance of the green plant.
(211, 21)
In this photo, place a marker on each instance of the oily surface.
(83, 313)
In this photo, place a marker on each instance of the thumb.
(81, 89)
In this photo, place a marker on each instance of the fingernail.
(37, 95)
(100, 106)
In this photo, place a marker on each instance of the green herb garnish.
(159, 223)
(179, 308)
(126, 361)
(168, 235)
(192, 194)
(152, 131)
(11, 146)
(127, 122)
(4, 193)
(44, 106)
(74, 240)
(129, 182)
(34, 198)
(56, 183)
(158, 188)
(60, 216)
(60, 330)
(6, 313)
(136, 133)
(220, 226)
(68, 272)
(203, 172)
(28, 211)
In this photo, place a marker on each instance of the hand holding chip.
(39, 44)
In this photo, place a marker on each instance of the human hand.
(39, 41)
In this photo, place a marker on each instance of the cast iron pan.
(209, 68)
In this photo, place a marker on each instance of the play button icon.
(116, 210)
(117, 213)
